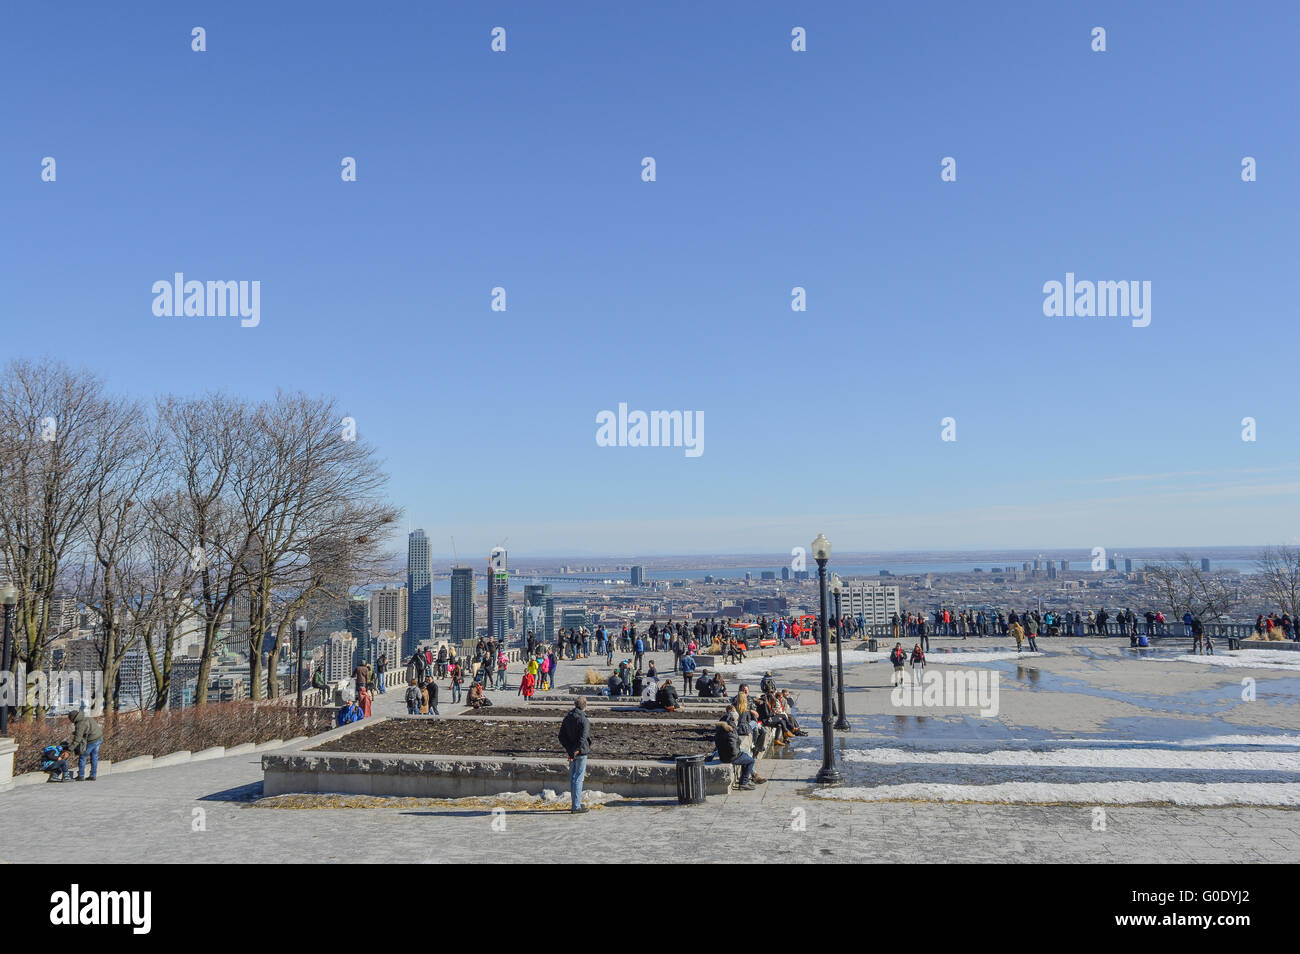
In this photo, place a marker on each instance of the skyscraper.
(539, 612)
(462, 604)
(388, 609)
(498, 595)
(637, 575)
(419, 592)
(358, 610)
(328, 610)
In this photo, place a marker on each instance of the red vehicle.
(747, 633)
(804, 629)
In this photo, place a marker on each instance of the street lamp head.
(821, 548)
(8, 594)
(837, 585)
(301, 625)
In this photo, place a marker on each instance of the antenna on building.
(454, 560)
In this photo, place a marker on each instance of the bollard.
(690, 780)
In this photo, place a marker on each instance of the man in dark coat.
(575, 737)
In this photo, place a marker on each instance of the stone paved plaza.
(1086, 692)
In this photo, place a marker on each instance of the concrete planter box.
(1286, 645)
(435, 776)
(462, 776)
(216, 752)
(242, 749)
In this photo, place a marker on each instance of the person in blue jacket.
(688, 667)
(349, 712)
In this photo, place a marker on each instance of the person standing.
(381, 669)
(457, 677)
(503, 663)
(87, 737)
(575, 737)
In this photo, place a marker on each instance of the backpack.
(413, 697)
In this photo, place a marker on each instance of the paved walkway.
(204, 811)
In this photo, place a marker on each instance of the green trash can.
(690, 780)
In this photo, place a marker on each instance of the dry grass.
(159, 733)
(593, 678)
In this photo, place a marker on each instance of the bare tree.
(301, 484)
(1184, 587)
(64, 434)
(202, 444)
(117, 521)
(1279, 575)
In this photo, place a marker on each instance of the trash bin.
(690, 779)
(871, 645)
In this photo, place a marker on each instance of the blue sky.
(774, 169)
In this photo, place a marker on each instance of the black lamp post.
(300, 626)
(8, 597)
(828, 774)
(838, 588)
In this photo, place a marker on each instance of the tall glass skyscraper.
(498, 595)
(539, 612)
(419, 589)
(462, 603)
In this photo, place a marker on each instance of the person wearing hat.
(768, 684)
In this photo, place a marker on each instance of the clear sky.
(775, 168)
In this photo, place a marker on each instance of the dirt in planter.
(599, 712)
(640, 741)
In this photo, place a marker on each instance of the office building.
(340, 656)
(462, 604)
(1205, 566)
(390, 645)
(875, 602)
(388, 611)
(539, 612)
(785, 573)
(498, 595)
(419, 592)
(636, 575)
(574, 618)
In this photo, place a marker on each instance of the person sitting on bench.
(476, 699)
(728, 743)
(666, 697)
